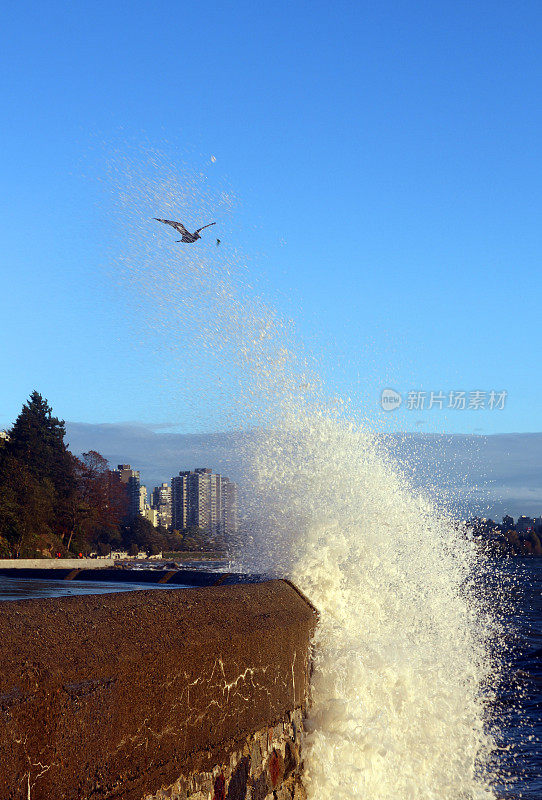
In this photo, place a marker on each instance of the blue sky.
(387, 157)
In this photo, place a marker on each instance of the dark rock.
(290, 760)
(237, 787)
(260, 788)
(220, 788)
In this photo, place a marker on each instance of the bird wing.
(177, 225)
(205, 226)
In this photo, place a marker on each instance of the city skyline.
(487, 475)
(479, 475)
(198, 498)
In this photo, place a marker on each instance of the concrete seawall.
(189, 693)
(56, 563)
(184, 577)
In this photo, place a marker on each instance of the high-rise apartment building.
(151, 515)
(179, 501)
(161, 503)
(130, 478)
(205, 500)
(143, 504)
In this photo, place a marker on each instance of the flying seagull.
(186, 235)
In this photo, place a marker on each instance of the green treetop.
(36, 477)
(37, 441)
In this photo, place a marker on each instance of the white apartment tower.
(205, 500)
(161, 503)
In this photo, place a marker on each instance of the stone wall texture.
(266, 765)
(195, 692)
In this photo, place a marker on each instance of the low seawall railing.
(20, 564)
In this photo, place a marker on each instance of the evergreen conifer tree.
(37, 440)
(36, 449)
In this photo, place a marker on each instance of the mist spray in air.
(402, 666)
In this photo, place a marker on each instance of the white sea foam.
(401, 655)
(401, 649)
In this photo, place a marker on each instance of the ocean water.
(34, 589)
(518, 708)
(416, 639)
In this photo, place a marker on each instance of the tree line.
(55, 503)
(504, 539)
